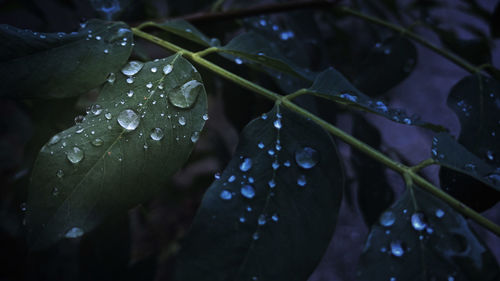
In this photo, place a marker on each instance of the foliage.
(90, 190)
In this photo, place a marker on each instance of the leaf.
(453, 155)
(374, 192)
(476, 51)
(476, 101)
(132, 140)
(495, 22)
(262, 221)
(59, 65)
(256, 48)
(422, 238)
(397, 57)
(331, 84)
(186, 30)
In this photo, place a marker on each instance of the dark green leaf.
(109, 163)
(260, 222)
(449, 153)
(330, 84)
(495, 22)
(422, 238)
(185, 30)
(374, 192)
(59, 65)
(252, 46)
(476, 101)
(476, 51)
(397, 57)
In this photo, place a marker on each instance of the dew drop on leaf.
(397, 248)
(186, 95)
(418, 221)
(111, 78)
(74, 232)
(167, 69)
(96, 109)
(262, 219)
(246, 165)
(128, 119)
(272, 183)
(387, 218)
(154, 69)
(439, 213)
(75, 155)
(255, 236)
(60, 173)
(205, 117)
(225, 195)
(301, 180)
(277, 124)
(55, 139)
(108, 115)
(97, 142)
(306, 157)
(231, 178)
(157, 134)
(195, 136)
(248, 191)
(275, 217)
(182, 121)
(132, 68)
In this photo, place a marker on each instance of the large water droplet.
(246, 165)
(157, 134)
(186, 95)
(74, 232)
(418, 221)
(307, 157)
(225, 195)
(132, 67)
(248, 191)
(75, 155)
(397, 248)
(387, 218)
(128, 119)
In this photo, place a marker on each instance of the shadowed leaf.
(186, 30)
(140, 131)
(272, 213)
(59, 65)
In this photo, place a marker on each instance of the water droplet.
(494, 178)
(186, 95)
(260, 145)
(106, 51)
(231, 178)
(349, 97)
(238, 61)
(301, 180)
(277, 124)
(132, 67)
(167, 69)
(225, 195)
(128, 119)
(275, 165)
(287, 163)
(182, 121)
(387, 218)
(55, 191)
(205, 117)
(195, 136)
(157, 134)
(248, 191)
(439, 213)
(154, 69)
(246, 165)
(97, 142)
(96, 109)
(275, 217)
(255, 236)
(307, 157)
(130, 80)
(23, 206)
(55, 139)
(262, 219)
(418, 221)
(149, 85)
(490, 155)
(397, 248)
(74, 232)
(130, 93)
(108, 115)
(272, 183)
(60, 173)
(75, 155)
(451, 278)
(270, 152)
(242, 219)
(79, 119)
(111, 78)
(263, 116)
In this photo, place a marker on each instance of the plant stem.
(407, 172)
(423, 164)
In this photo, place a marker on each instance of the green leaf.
(256, 48)
(331, 84)
(422, 238)
(59, 65)
(397, 57)
(131, 141)
(476, 51)
(273, 211)
(449, 153)
(186, 30)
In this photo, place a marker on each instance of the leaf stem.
(207, 51)
(405, 171)
(296, 94)
(423, 164)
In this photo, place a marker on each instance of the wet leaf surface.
(422, 238)
(140, 131)
(60, 65)
(186, 30)
(272, 212)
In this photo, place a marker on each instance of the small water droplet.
(397, 248)
(246, 165)
(277, 124)
(217, 176)
(79, 119)
(494, 178)
(205, 117)
(106, 51)
(418, 221)
(231, 178)
(182, 121)
(270, 152)
(248, 191)
(132, 68)
(301, 180)
(255, 236)
(272, 183)
(262, 219)
(96, 109)
(242, 219)
(74, 232)
(149, 85)
(306, 157)
(55, 139)
(23, 206)
(439, 213)
(97, 142)
(154, 69)
(157, 134)
(60, 173)
(108, 115)
(55, 191)
(349, 97)
(195, 136)
(130, 80)
(238, 61)
(128, 119)
(75, 155)
(387, 218)
(287, 163)
(111, 78)
(167, 69)
(225, 195)
(275, 165)
(186, 95)
(275, 217)
(260, 145)
(490, 155)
